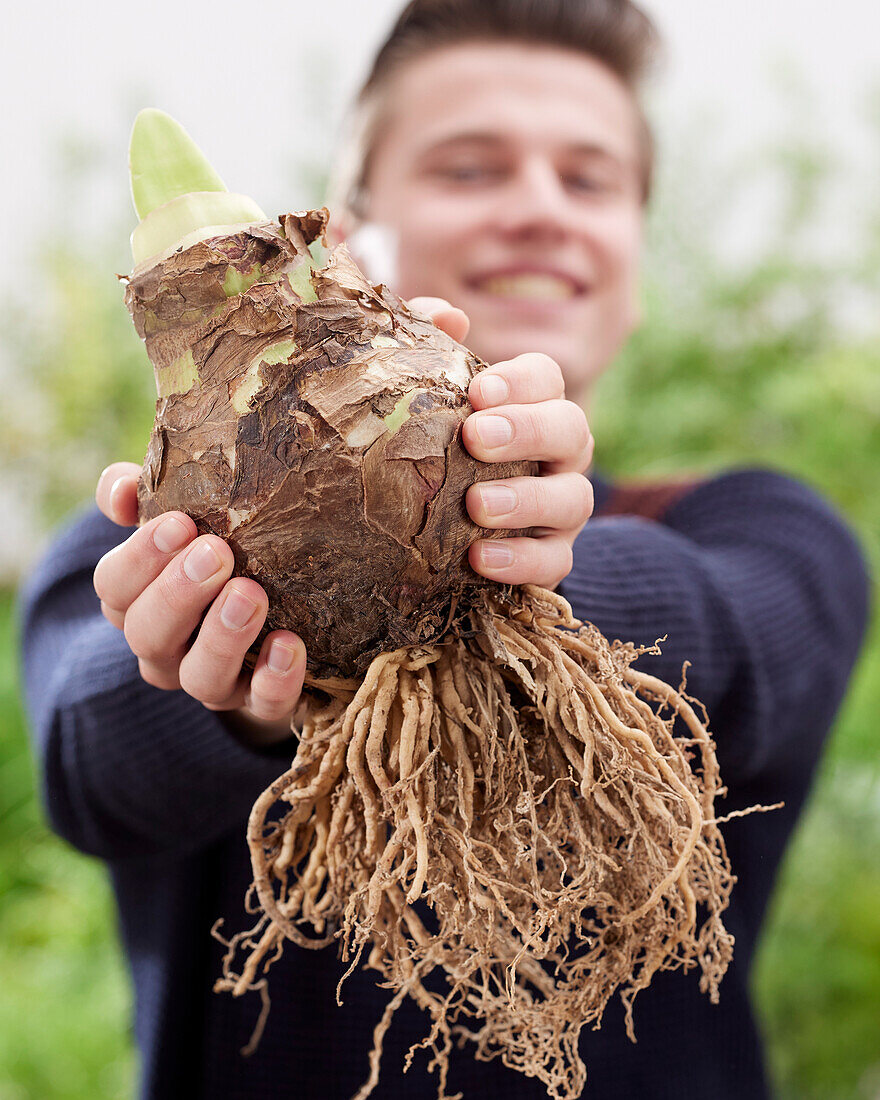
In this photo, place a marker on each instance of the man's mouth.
(528, 286)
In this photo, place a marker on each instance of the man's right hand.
(157, 585)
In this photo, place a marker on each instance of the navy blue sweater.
(753, 579)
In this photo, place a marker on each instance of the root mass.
(515, 808)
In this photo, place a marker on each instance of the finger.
(160, 622)
(116, 493)
(125, 571)
(277, 679)
(237, 699)
(521, 381)
(210, 669)
(160, 674)
(553, 432)
(117, 618)
(519, 560)
(557, 501)
(453, 321)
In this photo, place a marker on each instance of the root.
(553, 806)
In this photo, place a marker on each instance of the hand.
(545, 428)
(157, 585)
(147, 590)
(522, 414)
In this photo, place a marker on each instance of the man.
(501, 148)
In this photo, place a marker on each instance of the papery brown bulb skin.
(321, 438)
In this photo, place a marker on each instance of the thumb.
(453, 321)
(116, 493)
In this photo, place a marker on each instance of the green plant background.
(761, 364)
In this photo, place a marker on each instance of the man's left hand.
(521, 413)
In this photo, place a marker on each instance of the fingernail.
(114, 489)
(280, 657)
(494, 431)
(497, 499)
(170, 535)
(201, 562)
(493, 389)
(237, 610)
(495, 554)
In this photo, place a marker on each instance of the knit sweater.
(750, 576)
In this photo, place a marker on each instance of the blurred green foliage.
(84, 391)
(65, 1006)
(758, 365)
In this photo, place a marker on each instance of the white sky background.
(244, 79)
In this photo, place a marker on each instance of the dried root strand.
(552, 805)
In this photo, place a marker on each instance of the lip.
(477, 280)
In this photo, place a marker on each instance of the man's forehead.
(492, 92)
(500, 139)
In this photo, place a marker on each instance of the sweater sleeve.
(757, 583)
(127, 769)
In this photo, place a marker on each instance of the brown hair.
(614, 32)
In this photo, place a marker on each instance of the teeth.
(541, 286)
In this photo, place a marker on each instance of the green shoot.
(165, 162)
(178, 196)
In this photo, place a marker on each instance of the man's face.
(509, 177)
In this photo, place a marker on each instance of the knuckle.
(556, 561)
(578, 427)
(215, 650)
(535, 554)
(206, 689)
(541, 375)
(144, 639)
(102, 577)
(114, 617)
(157, 677)
(537, 362)
(177, 595)
(534, 427)
(131, 633)
(141, 644)
(270, 705)
(548, 366)
(98, 581)
(532, 501)
(585, 489)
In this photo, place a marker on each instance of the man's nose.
(535, 202)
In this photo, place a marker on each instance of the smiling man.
(500, 146)
(514, 179)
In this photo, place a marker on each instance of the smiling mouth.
(530, 286)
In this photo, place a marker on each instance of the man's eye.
(588, 184)
(468, 173)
